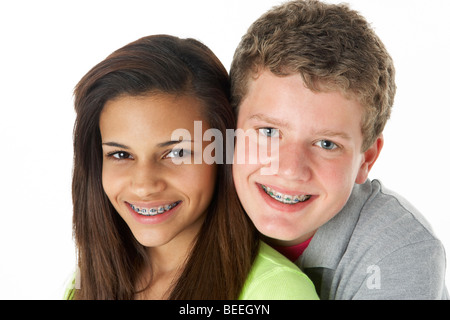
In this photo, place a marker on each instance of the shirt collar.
(330, 241)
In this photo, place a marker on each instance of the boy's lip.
(283, 190)
(284, 207)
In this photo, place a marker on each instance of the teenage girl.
(150, 222)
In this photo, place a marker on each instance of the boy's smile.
(318, 161)
(285, 198)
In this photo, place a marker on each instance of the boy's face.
(318, 161)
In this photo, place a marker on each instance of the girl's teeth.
(285, 198)
(154, 211)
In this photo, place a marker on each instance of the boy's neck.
(288, 243)
(292, 252)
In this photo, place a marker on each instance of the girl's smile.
(153, 215)
(145, 210)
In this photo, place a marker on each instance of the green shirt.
(274, 277)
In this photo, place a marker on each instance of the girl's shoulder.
(71, 285)
(274, 277)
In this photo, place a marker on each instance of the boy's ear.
(369, 158)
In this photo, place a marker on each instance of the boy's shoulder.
(386, 215)
(376, 231)
(376, 221)
(373, 216)
(387, 225)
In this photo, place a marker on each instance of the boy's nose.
(147, 180)
(293, 163)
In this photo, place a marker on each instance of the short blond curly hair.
(331, 46)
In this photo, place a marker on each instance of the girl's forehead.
(149, 118)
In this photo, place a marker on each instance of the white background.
(47, 46)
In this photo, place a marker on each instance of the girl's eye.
(326, 144)
(119, 155)
(269, 132)
(177, 153)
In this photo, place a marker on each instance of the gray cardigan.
(378, 247)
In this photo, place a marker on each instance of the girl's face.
(151, 179)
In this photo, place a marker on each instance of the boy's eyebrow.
(159, 145)
(268, 119)
(329, 133)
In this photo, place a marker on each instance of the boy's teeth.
(154, 211)
(285, 198)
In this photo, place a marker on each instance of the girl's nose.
(147, 180)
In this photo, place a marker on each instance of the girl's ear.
(369, 158)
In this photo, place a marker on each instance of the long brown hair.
(109, 257)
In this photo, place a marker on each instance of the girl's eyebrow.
(115, 144)
(171, 142)
(159, 145)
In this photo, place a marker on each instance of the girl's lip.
(153, 204)
(153, 219)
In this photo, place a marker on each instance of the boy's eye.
(326, 144)
(269, 132)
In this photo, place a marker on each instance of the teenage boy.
(315, 79)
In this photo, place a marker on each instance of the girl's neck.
(158, 286)
(166, 265)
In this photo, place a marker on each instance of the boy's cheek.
(257, 153)
(245, 152)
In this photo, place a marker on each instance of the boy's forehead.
(285, 100)
(265, 85)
